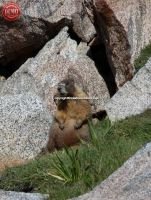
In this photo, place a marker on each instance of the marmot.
(70, 120)
(78, 109)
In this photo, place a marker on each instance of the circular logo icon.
(11, 11)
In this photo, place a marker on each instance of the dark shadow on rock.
(98, 54)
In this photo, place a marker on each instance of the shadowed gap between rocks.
(14, 64)
(110, 50)
(74, 36)
(26, 187)
(98, 54)
(27, 52)
(114, 37)
(13, 60)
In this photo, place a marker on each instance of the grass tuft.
(145, 54)
(68, 172)
(72, 172)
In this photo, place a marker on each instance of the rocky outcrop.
(78, 17)
(60, 12)
(133, 98)
(124, 28)
(38, 8)
(60, 58)
(130, 182)
(19, 40)
(113, 34)
(39, 22)
(24, 127)
(135, 16)
(26, 102)
(117, 23)
(9, 195)
(60, 43)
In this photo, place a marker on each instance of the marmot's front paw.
(78, 124)
(61, 126)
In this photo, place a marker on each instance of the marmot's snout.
(62, 89)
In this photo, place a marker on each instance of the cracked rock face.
(60, 58)
(132, 181)
(133, 98)
(112, 33)
(125, 28)
(135, 17)
(19, 40)
(39, 22)
(60, 12)
(26, 101)
(56, 39)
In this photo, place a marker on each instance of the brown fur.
(70, 123)
(69, 136)
(78, 109)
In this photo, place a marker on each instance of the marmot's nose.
(59, 88)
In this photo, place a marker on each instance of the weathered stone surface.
(19, 40)
(65, 12)
(135, 16)
(27, 96)
(133, 98)
(9, 195)
(38, 8)
(78, 17)
(42, 20)
(2, 80)
(24, 127)
(130, 182)
(125, 29)
(116, 42)
(60, 58)
(112, 34)
(39, 22)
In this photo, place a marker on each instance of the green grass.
(143, 57)
(92, 165)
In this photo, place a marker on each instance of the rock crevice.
(112, 34)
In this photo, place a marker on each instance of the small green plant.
(69, 170)
(103, 131)
(93, 135)
(143, 57)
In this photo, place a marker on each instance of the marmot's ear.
(71, 80)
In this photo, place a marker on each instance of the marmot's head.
(66, 87)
